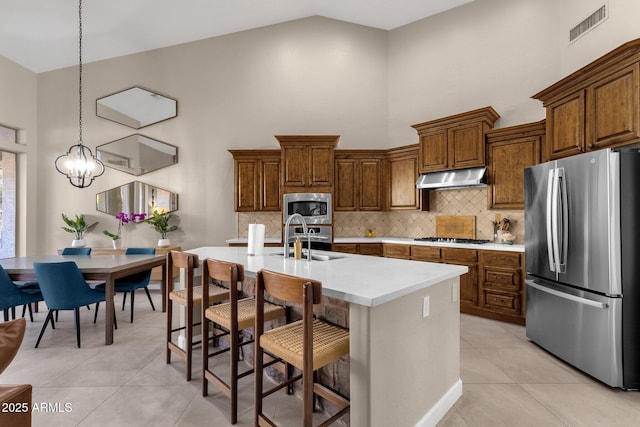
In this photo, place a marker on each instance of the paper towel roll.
(255, 245)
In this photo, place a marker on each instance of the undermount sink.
(314, 256)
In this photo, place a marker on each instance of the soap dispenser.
(297, 248)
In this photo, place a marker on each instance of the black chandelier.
(79, 164)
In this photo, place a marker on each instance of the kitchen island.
(404, 325)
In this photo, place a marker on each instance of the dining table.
(105, 268)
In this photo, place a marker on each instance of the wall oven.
(316, 209)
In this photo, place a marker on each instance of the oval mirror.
(137, 154)
(136, 107)
(136, 197)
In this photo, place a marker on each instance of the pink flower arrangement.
(124, 218)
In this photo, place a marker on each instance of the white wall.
(312, 76)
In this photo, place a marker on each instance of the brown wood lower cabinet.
(373, 249)
(493, 286)
(501, 284)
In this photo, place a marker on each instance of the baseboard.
(445, 403)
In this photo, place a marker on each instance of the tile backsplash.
(471, 201)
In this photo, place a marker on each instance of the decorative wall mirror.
(137, 154)
(136, 197)
(136, 107)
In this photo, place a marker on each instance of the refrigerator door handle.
(566, 296)
(550, 250)
(563, 231)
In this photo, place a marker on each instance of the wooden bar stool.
(232, 317)
(307, 344)
(189, 297)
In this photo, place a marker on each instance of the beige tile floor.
(508, 381)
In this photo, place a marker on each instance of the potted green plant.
(78, 227)
(160, 223)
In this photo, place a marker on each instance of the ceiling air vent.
(591, 21)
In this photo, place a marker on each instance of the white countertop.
(401, 241)
(408, 241)
(245, 240)
(358, 279)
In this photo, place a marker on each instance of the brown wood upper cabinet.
(257, 180)
(454, 142)
(402, 193)
(359, 180)
(596, 107)
(307, 163)
(509, 151)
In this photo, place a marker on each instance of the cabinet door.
(349, 248)
(613, 109)
(346, 185)
(246, 190)
(370, 188)
(270, 195)
(403, 173)
(466, 146)
(433, 151)
(295, 166)
(506, 161)
(565, 127)
(468, 284)
(320, 166)
(393, 250)
(373, 249)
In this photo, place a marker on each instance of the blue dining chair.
(135, 281)
(76, 251)
(28, 286)
(11, 296)
(64, 288)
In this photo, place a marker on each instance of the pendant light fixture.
(79, 163)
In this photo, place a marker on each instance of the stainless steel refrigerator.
(582, 251)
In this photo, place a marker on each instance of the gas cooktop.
(452, 240)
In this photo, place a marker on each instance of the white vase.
(164, 243)
(78, 243)
(116, 243)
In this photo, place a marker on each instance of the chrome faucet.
(286, 231)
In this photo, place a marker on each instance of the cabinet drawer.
(502, 302)
(392, 250)
(349, 248)
(425, 253)
(509, 279)
(499, 258)
(466, 255)
(374, 249)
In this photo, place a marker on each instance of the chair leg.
(169, 317)
(133, 295)
(189, 340)
(44, 326)
(233, 381)
(307, 397)
(13, 313)
(258, 378)
(150, 300)
(95, 315)
(5, 314)
(115, 319)
(30, 312)
(76, 312)
(57, 315)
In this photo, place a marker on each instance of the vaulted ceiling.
(42, 35)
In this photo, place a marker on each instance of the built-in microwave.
(314, 207)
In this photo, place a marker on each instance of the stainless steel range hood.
(449, 180)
